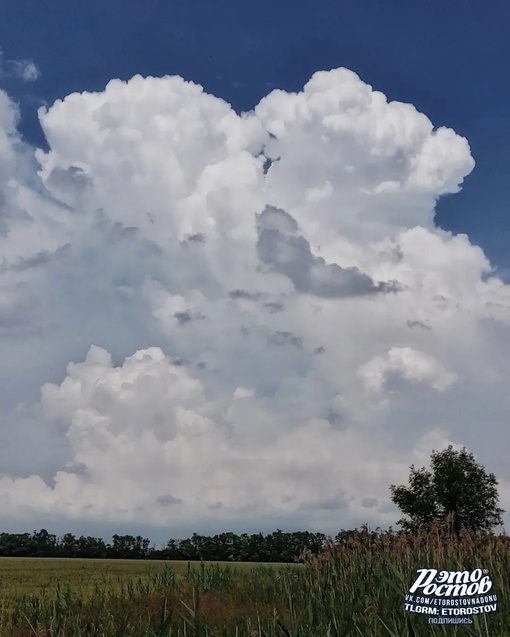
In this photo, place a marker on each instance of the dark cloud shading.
(243, 294)
(283, 249)
(412, 324)
(168, 499)
(198, 237)
(285, 338)
(274, 306)
(187, 317)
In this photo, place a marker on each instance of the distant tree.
(44, 544)
(90, 547)
(456, 487)
(129, 547)
(171, 550)
(68, 545)
(16, 545)
(188, 549)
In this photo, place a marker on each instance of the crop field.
(353, 590)
(20, 576)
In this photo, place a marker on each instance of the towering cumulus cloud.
(238, 320)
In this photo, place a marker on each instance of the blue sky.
(449, 59)
(192, 342)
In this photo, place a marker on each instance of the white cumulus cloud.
(235, 319)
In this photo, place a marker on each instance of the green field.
(67, 597)
(29, 576)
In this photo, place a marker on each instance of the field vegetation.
(355, 587)
(26, 576)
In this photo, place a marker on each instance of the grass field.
(53, 597)
(21, 576)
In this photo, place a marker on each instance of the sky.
(253, 259)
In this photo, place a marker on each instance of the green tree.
(456, 488)
(43, 543)
(68, 545)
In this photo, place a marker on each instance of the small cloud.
(285, 338)
(78, 468)
(198, 237)
(369, 503)
(187, 317)
(242, 294)
(168, 499)
(179, 362)
(390, 286)
(25, 70)
(412, 324)
(183, 317)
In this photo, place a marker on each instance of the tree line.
(257, 547)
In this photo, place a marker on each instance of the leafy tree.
(90, 547)
(171, 551)
(68, 545)
(15, 545)
(456, 488)
(43, 543)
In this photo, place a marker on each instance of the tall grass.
(356, 589)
